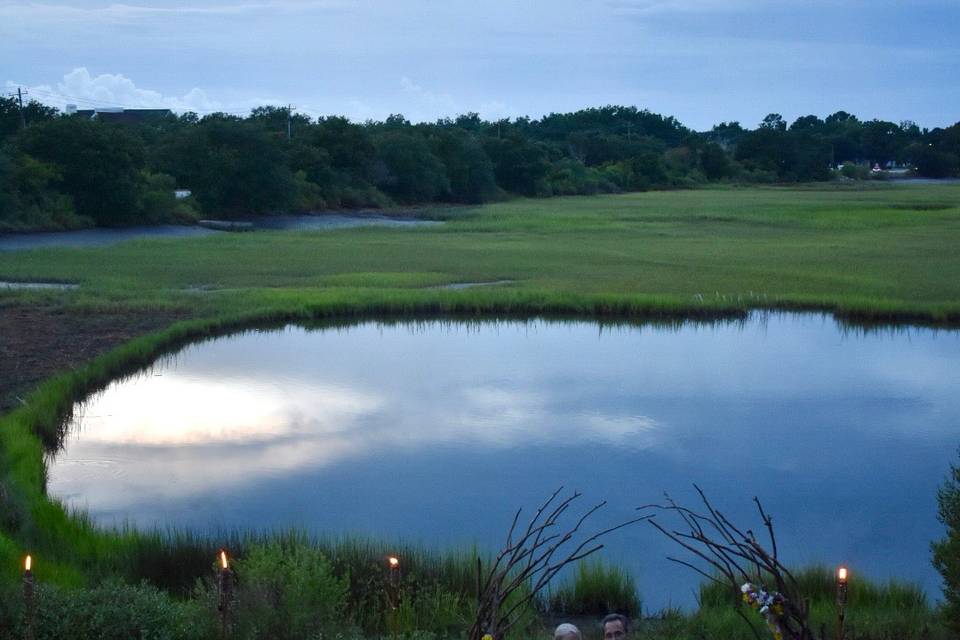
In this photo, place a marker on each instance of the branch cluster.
(734, 556)
(529, 560)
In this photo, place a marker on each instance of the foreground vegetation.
(289, 587)
(70, 171)
(869, 254)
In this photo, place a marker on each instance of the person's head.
(615, 627)
(567, 631)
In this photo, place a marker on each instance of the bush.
(855, 171)
(287, 592)
(111, 610)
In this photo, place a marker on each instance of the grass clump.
(596, 589)
(875, 610)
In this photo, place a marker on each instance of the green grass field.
(878, 253)
(883, 251)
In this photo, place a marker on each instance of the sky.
(702, 61)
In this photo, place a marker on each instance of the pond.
(105, 237)
(435, 432)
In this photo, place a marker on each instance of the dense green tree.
(33, 112)
(232, 167)
(806, 123)
(774, 121)
(275, 120)
(410, 172)
(520, 166)
(931, 162)
(98, 165)
(349, 145)
(726, 134)
(882, 142)
(714, 162)
(946, 551)
(60, 166)
(766, 148)
(469, 169)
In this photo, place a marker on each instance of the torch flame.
(223, 560)
(842, 574)
(394, 562)
(27, 563)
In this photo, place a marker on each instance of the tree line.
(67, 171)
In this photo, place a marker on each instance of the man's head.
(615, 627)
(567, 631)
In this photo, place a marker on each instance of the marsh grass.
(595, 589)
(875, 609)
(875, 253)
(866, 255)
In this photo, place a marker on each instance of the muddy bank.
(38, 342)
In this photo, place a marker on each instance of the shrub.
(111, 610)
(946, 552)
(287, 592)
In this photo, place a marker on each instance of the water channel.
(104, 237)
(435, 432)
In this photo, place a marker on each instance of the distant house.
(119, 115)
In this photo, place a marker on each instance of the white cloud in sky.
(87, 91)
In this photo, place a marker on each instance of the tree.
(806, 122)
(33, 112)
(469, 170)
(726, 134)
(348, 144)
(519, 164)
(99, 166)
(946, 551)
(774, 121)
(714, 161)
(410, 171)
(232, 166)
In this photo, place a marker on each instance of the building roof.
(124, 116)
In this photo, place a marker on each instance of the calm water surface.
(106, 237)
(435, 432)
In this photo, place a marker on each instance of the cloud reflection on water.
(412, 430)
(178, 434)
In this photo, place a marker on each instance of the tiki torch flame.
(394, 562)
(27, 563)
(223, 560)
(842, 574)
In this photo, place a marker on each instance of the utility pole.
(289, 122)
(23, 118)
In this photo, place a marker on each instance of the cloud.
(116, 90)
(125, 12)
(430, 104)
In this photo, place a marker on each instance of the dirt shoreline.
(39, 342)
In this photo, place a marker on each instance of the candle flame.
(223, 560)
(27, 563)
(842, 574)
(394, 562)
